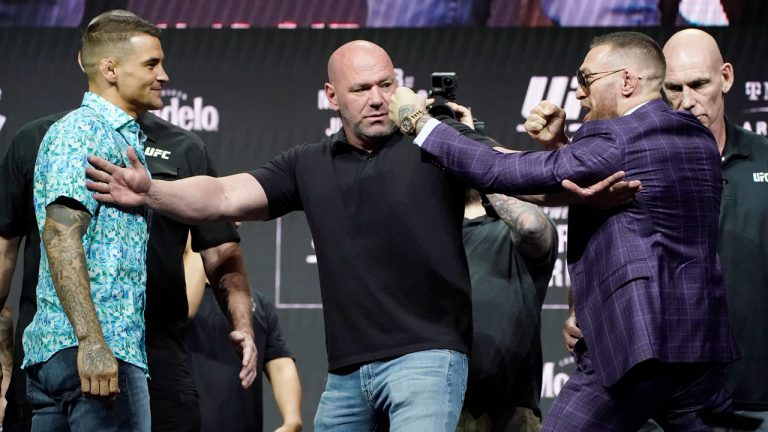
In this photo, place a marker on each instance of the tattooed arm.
(529, 227)
(65, 225)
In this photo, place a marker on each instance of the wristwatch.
(408, 123)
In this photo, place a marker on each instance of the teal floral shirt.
(115, 243)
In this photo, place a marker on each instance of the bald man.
(697, 80)
(386, 224)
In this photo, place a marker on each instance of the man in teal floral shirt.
(85, 353)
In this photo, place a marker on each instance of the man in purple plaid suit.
(647, 285)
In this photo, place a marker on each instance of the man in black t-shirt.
(511, 253)
(226, 405)
(172, 153)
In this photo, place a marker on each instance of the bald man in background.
(697, 80)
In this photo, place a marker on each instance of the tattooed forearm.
(62, 237)
(528, 225)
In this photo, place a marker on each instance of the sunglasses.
(583, 79)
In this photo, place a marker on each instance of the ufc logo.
(156, 152)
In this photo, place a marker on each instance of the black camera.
(444, 90)
(444, 85)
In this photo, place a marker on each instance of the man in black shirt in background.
(511, 251)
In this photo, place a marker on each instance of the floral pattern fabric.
(115, 242)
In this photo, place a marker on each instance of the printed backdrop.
(252, 93)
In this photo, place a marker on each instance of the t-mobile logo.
(560, 90)
(754, 89)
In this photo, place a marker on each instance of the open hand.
(247, 349)
(608, 193)
(117, 185)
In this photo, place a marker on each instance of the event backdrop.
(251, 94)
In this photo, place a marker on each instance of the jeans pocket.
(69, 398)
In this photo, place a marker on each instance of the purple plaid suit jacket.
(646, 279)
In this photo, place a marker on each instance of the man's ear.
(726, 74)
(629, 82)
(80, 60)
(108, 69)
(330, 93)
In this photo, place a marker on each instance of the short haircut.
(648, 49)
(110, 32)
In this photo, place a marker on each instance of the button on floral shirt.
(115, 243)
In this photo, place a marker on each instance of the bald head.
(356, 55)
(697, 78)
(692, 46)
(361, 78)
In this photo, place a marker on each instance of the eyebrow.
(678, 82)
(369, 85)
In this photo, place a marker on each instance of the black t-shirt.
(744, 255)
(508, 290)
(224, 404)
(17, 216)
(387, 233)
(171, 153)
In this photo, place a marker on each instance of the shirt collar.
(635, 108)
(114, 116)
(145, 120)
(340, 144)
(733, 145)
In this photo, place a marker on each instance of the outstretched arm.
(286, 387)
(191, 200)
(612, 191)
(62, 236)
(520, 173)
(226, 272)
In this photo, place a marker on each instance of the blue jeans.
(58, 404)
(421, 391)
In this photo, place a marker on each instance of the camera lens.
(447, 82)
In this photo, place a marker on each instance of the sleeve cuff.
(431, 124)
